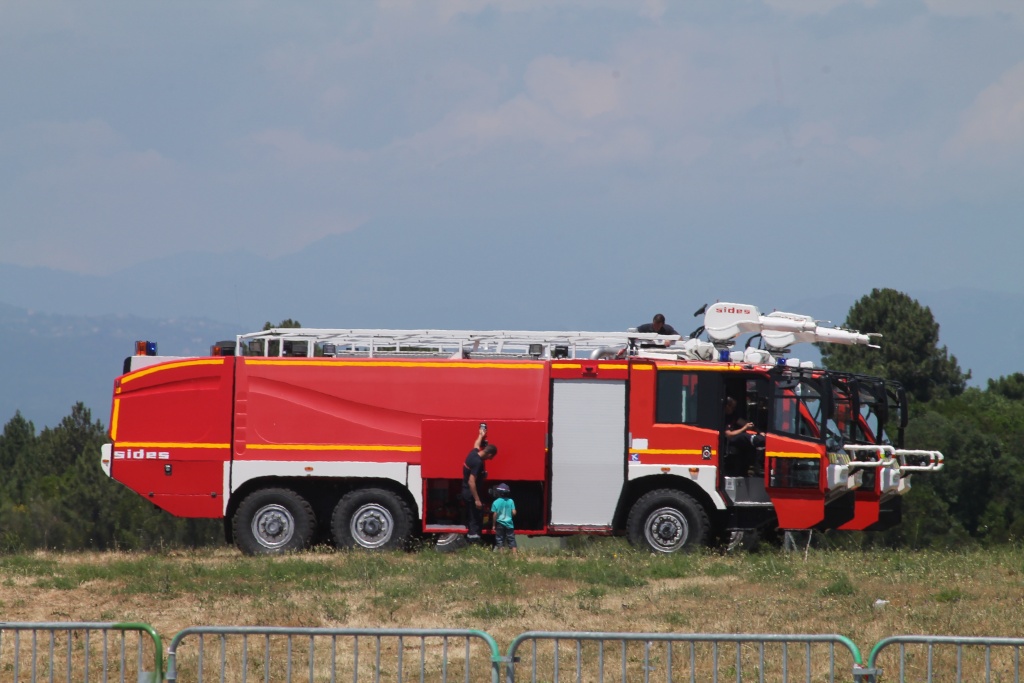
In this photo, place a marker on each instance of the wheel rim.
(372, 526)
(666, 530)
(273, 526)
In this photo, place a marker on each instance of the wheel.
(272, 522)
(450, 543)
(667, 521)
(375, 519)
(745, 540)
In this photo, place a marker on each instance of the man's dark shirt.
(474, 465)
(734, 421)
(649, 328)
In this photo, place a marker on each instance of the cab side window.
(797, 410)
(676, 401)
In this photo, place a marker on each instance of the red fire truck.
(294, 436)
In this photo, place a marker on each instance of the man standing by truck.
(474, 473)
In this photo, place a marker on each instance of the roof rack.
(510, 343)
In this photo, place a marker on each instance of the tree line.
(976, 497)
(54, 495)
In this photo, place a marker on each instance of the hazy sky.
(844, 137)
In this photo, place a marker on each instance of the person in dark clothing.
(741, 447)
(657, 326)
(474, 473)
(735, 424)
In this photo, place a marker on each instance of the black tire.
(273, 522)
(450, 543)
(667, 521)
(374, 519)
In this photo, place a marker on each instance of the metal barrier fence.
(86, 651)
(681, 657)
(286, 654)
(104, 652)
(948, 658)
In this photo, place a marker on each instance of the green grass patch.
(720, 569)
(26, 565)
(840, 586)
(589, 598)
(493, 611)
(950, 595)
(593, 571)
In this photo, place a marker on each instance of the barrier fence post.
(967, 658)
(683, 656)
(284, 654)
(74, 644)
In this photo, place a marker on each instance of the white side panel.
(226, 486)
(105, 455)
(706, 477)
(415, 485)
(244, 470)
(251, 469)
(588, 450)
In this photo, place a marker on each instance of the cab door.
(793, 453)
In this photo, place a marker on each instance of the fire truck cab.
(358, 437)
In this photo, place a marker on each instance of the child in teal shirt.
(502, 512)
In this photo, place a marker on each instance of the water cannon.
(724, 322)
(778, 339)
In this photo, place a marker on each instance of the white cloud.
(994, 125)
(574, 90)
(977, 8)
(808, 7)
(866, 146)
(293, 149)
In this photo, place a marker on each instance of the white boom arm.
(725, 321)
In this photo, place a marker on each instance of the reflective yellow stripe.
(608, 366)
(113, 420)
(158, 444)
(565, 366)
(642, 367)
(780, 454)
(712, 366)
(328, 447)
(169, 366)
(670, 451)
(397, 364)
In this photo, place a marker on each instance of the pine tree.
(909, 353)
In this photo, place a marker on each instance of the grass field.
(593, 585)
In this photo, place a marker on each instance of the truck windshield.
(797, 408)
(872, 404)
(840, 424)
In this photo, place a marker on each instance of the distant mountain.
(70, 332)
(53, 361)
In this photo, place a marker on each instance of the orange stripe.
(669, 451)
(399, 364)
(328, 447)
(169, 366)
(168, 444)
(113, 420)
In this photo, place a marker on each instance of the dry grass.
(601, 585)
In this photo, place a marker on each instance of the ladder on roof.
(522, 343)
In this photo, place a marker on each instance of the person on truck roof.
(473, 474)
(657, 326)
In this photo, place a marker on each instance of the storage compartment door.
(588, 450)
